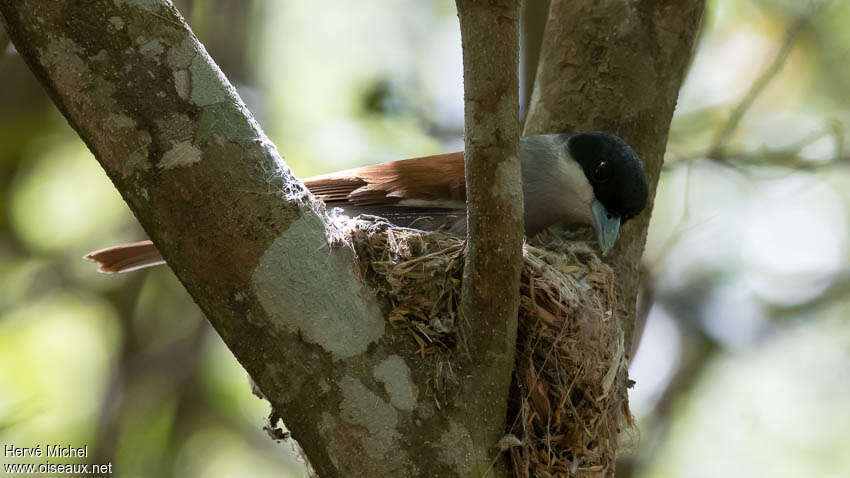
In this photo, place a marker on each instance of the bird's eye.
(603, 172)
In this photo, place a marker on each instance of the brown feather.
(126, 257)
(438, 179)
(429, 183)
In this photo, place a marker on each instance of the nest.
(568, 408)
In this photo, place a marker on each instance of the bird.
(591, 177)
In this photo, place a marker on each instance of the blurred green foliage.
(744, 368)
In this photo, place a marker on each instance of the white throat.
(574, 185)
(555, 188)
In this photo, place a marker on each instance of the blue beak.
(607, 226)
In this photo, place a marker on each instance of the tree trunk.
(255, 251)
(491, 275)
(533, 16)
(617, 66)
(248, 241)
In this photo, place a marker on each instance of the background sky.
(744, 367)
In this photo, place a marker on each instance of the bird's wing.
(430, 181)
(433, 185)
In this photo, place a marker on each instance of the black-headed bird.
(593, 178)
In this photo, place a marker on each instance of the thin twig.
(786, 157)
(758, 87)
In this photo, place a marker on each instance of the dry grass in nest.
(568, 405)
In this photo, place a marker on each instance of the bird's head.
(615, 173)
(591, 177)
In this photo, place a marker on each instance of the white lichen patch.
(149, 5)
(180, 55)
(62, 56)
(151, 48)
(116, 22)
(207, 81)
(116, 121)
(456, 448)
(395, 375)
(309, 288)
(175, 127)
(183, 153)
(137, 161)
(181, 83)
(363, 407)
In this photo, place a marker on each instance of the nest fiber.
(568, 408)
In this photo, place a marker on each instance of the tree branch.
(757, 88)
(533, 15)
(491, 276)
(243, 235)
(623, 76)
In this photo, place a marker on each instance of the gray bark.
(251, 245)
(491, 276)
(533, 16)
(617, 66)
(245, 238)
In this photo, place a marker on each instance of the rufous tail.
(126, 257)
(370, 186)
